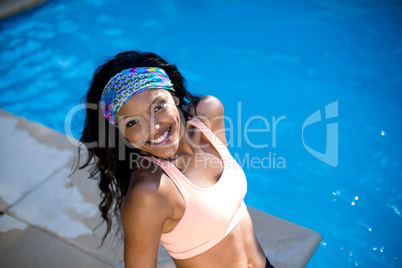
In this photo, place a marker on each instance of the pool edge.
(9, 8)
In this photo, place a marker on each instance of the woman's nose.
(156, 127)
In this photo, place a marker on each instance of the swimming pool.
(283, 59)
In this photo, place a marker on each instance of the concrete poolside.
(12, 7)
(47, 219)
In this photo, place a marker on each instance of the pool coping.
(9, 8)
(34, 214)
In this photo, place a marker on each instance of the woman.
(174, 181)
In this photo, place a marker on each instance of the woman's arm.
(144, 211)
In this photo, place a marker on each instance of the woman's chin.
(167, 151)
(166, 148)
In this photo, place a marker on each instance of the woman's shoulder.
(147, 192)
(210, 111)
(209, 107)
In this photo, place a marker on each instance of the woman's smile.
(162, 138)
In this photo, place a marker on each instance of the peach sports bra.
(210, 213)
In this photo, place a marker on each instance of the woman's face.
(150, 121)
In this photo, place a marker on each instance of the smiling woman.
(196, 211)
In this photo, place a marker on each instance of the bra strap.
(172, 172)
(216, 142)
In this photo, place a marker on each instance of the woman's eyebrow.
(150, 107)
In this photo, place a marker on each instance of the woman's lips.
(162, 139)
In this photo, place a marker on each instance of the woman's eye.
(131, 123)
(160, 106)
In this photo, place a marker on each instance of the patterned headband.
(129, 82)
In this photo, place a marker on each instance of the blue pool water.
(261, 58)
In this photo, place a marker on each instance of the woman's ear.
(176, 100)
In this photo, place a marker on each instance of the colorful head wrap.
(129, 82)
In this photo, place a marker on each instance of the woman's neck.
(185, 149)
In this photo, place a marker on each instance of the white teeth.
(161, 138)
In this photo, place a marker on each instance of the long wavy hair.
(110, 163)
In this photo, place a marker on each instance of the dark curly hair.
(110, 162)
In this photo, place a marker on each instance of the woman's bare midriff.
(239, 249)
